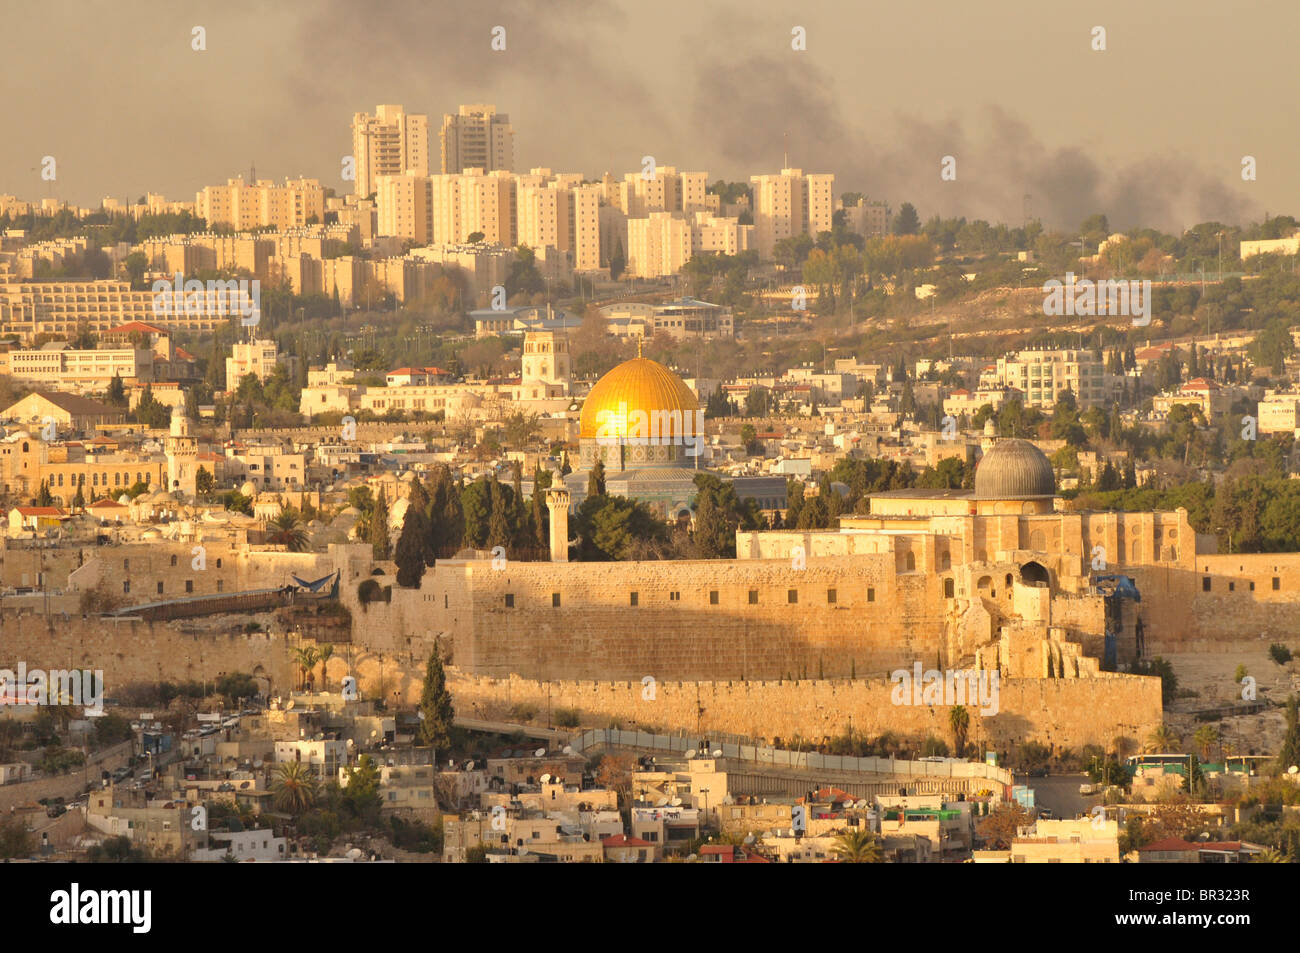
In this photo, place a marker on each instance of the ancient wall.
(1060, 713)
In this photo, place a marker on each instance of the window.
(220, 585)
(160, 589)
(173, 560)
(218, 563)
(1205, 584)
(189, 585)
(510, 600)
(1277, 583)
(753, 597)
(871, 595)
(830, 596)
(1252, 585)
(948, 589)
(1232, 587)
(632, 598)
(555, 600)
(674, 597)
(713, 597)
(792, 596)
(126, 587)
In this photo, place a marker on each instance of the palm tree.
(1206, 737)
(287, 530)
(294, 787)
(1271, 855)
(326, 653)
(856, 846)
(1163, 740)
(959, 723)
(307, 659)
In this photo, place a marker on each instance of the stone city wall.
(1060, 713)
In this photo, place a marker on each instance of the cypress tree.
(438, 714)
(596, 481)
(377, 528)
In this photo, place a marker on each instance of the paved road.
(1060, 794)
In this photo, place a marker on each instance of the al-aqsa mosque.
(647, 427)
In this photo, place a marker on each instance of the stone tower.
(557, 501)
(546, 370)
(182, 455)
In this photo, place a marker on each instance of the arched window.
(910, 562)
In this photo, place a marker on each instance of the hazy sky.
(1152, 131)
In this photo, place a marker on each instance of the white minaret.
(182, 455)
(557, 502)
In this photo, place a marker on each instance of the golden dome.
(640, 385)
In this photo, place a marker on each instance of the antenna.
(785, 136)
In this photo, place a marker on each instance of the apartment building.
(475, 201)
(1279, 413)
(405, 204)
(1041, 375)
(791, 203)
(390, 141)
(83, 370)
(253, 357)
(245, 206)
(477, 137)
(66, 307)
(560, 212)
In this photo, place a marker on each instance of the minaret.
(557, 502)
(182, 455)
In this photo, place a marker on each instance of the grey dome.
(1014, 470)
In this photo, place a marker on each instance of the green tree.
(437, 716)
(412, 547)
(377, 528)
(596, 480)
(287, 530)
(293, 787)
(906, 222)
(959, 725)
(857, 845)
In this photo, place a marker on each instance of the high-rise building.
(790, 204)
(405, 204)
(474, 202)
(559, 210)
(477, 138)
(391, 142)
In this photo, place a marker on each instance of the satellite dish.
(374, 732)
(568, 749)
(508, 753)
(289, 706)
(1292, 770)
(717, 752)
(662, 802)
(354, 853)
(539, 752)
(676, 802)
(546, 779)
(749, 838)
(791, 832)
(689, 755)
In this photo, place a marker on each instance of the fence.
(736, 748)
